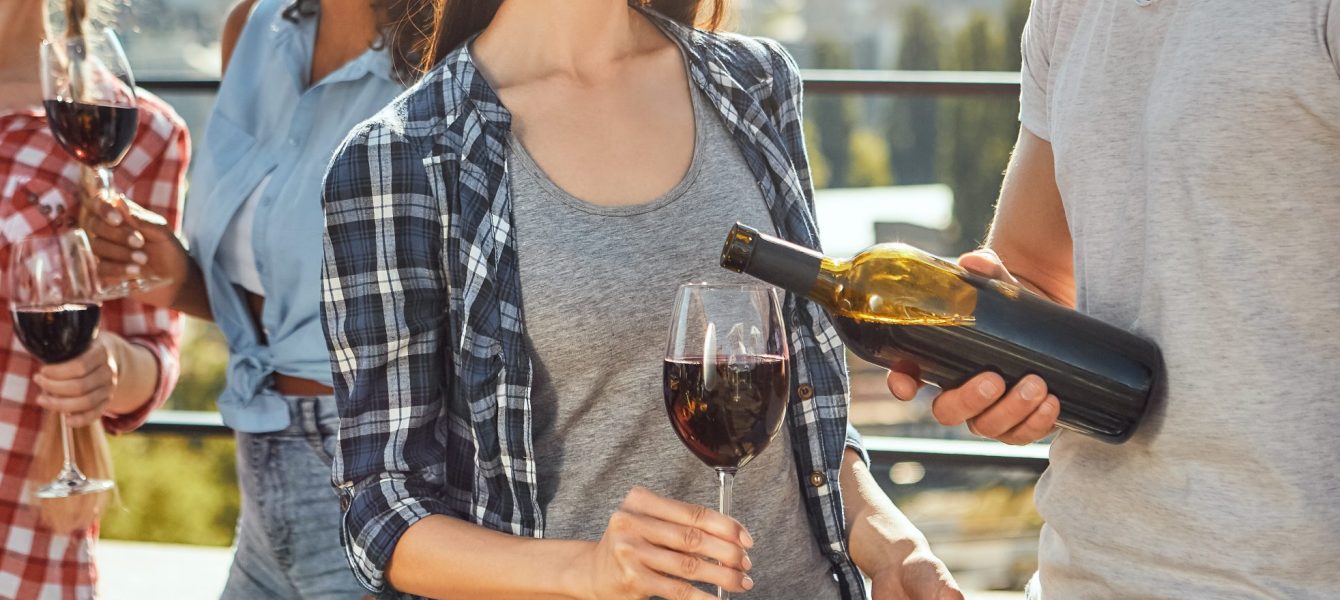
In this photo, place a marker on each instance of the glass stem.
(67, 446)
(725, 498)
(105, 175)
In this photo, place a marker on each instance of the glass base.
(67, 485)
(130, 287)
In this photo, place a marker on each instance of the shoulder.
(240, 27)
(410, 127)
(1050, 22)
(754, 61)
(442, 113)
(237, 19)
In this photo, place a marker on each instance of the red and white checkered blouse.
(38, 184)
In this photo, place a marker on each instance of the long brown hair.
(457, 20)
(404, 27)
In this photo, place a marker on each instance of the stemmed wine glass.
(89, 94)
(53, 282)
(726, 376)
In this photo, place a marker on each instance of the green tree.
(978, 132)
(1016, 14)
(819, 171)
(173, 489)
(869, 160)
(204, 365)
(834, 115)
(912, 121)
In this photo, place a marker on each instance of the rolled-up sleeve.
(384, 309)
(153, 174)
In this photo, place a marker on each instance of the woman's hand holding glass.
(654, 546)
(83, 387)
(132, 241)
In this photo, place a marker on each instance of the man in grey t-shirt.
(1178, 174)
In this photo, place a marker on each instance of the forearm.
(192, 298)
(878, 533)
(1030, 233)
(138, 374)
(443, 557)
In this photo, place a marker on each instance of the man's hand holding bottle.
(1020, 415)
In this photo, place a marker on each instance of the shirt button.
(293, 142)
(805, 391)
(818, 479)
(344, 502)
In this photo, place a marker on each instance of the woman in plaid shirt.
(128, 371)
(563, 121)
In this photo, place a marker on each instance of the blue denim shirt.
(269, 122)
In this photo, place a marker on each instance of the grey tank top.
(597, 322)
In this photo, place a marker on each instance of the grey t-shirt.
(598, 287)
(1197, 150)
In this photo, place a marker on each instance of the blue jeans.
(288, 536)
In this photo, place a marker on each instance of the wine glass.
(726, 376)
(54, 292)
(89, 94)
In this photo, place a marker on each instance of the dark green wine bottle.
(894, 303)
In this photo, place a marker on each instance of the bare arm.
(886, 546)
(442, 557)
(232, 29)
(651, 547)
(1030, 233)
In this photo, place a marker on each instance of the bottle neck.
(788, 266)
(828, 284)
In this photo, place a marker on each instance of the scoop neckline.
(676, 192)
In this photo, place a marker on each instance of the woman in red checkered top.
(128, 371)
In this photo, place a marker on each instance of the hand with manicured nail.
(82, 387)
(131, 240)
(1021, 415)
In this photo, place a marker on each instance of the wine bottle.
(893, 303)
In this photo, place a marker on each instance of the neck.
(22, 28)
(352, 22)
(578, 39)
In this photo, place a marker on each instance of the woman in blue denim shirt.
(298, 76)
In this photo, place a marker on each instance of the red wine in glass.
(729, 416)
(56, 334)
(53, 298)
(726, 377)
(89, 94)
(97, 135)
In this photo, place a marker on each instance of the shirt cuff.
(167, 379)
(857, 443)
(369, 542)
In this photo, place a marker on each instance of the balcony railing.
(883, 450)
(817, 81)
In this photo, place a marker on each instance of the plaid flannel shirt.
(39, 191)
(421, 304)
